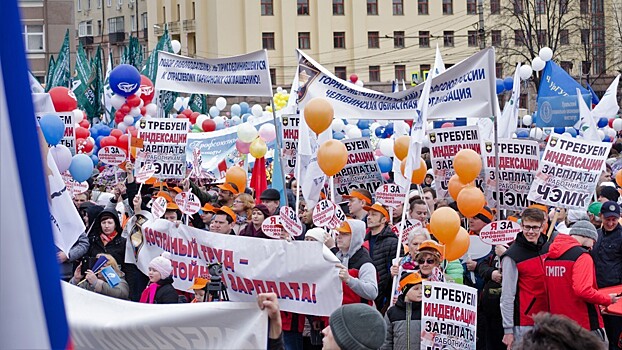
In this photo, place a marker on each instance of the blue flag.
(277, 177)
(111, 276)
(557, 97)
(595, 98)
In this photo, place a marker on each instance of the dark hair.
(177, 212)
(229, 218)
(431, 190)
(558, 332)
(533, 215)
(417, 201)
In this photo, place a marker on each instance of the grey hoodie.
(365, 285)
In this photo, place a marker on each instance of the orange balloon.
(418, 175)
(470, 201)
(332, 157)
(458, 246)
(236, 175)
(444, 224)
(400, 147)
(467, 164)
(455, 186)
(619, 178)
(318, 114)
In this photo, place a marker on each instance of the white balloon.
(251, 119)
(284, 91)
(221, 103)
(601, 134)
(525, 72)
(617, 124)
(537, 64)
(122, 126)
(352, 121)
(246, 132)
(128, 120)
(527, 120)
(337, 125)
(426, 141)
(200, 119)
(382, 122)
(141, 104)
(117, 101)
(610, 132)
(349, 127)
(62, 157)
(545, 53)
(176, 45)
(77, 115)
(567, 134)
(386, 147)
(359, 83)
(279, 89)
(514, 135)
(151, 109)
(354, 133)
(257, 111)
(373, 127)
(536, 133)
(135, 112)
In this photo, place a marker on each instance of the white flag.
(591, 133)
(439, 65)
(509, 119)
(608, 105)
(417, 133)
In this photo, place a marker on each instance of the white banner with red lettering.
(296, 271)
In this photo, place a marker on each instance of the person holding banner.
(357, 200)
(404, 318)
(523, 292)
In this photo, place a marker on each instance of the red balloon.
(409, 122)
(143, 110)
(193, 119)
(354, 78)
(118, 116)
(116, 133)
(122, 141)
(133, 131)
(88, 146)
(80, 145)
(85, 124)
(82, 133)
(63, 99)
(125, 109)
(611, 122)
(208, 125)
(187, 113)
(108, 141)
(146, 89)
(133, 101)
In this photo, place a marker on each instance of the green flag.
(82, 86)
(62, 72)
(107, 93)
(164, 99)
(48, 76)
(198, 103)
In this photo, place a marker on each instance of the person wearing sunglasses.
(523, 292)
(428, 259)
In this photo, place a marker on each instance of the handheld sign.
(79, 187)
(196, 163)
(323, 213)
(499, 232)
(338, 218)
(477, 248)
(390, 195)
(409, 226)
(188, 203)
(112, 155)
(146, 172)
(290, 221)
(158, 207)
(271, 226)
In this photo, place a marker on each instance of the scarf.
(107, 238)
(149, 293)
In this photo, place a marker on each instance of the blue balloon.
(236, 109)
(94, 132)
(388, 131)
(104, 130)
(98, 140)
(572, 131)
(124, 80)
(602, 122)
(385, 164)
(523, 134)
(214, 111)
(244, 108)
(94, 159)
(220, 122)
(500, 87)
(236, 120)
(363, 124)
(606, 139)
(81, 167)
(508, 83)
(379, 131)
(559, 129)
(365, 132)
(53, 128)
(338, 135)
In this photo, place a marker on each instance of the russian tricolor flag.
(33, 313)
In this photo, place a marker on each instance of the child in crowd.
(404, 318)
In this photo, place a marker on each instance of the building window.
(99, 27)
(267, 8)
(495, 7)
(471, 7)
(540, 7)
(164, 14)
(303, 7)
(273, 75)
(194, 11)
(85, 28)
(33, 37)
(133, 21)
(400, 72)
(398, 39)
(586, 67)
(585, 36)
(340, 72)
(373, 40)
(567, 66)
(374, 73)
(425, 69)
(523, 100)
(424, 39)
(584, 7)
(519, 37)
(495, 35)
(563, 7)
(304, 40)
(448, 38)
(99, 4)
(88, 4)
(116, 24)
(422, 7)
(339, 40)
(267, 40)
(518, 7)
(564, 37)
(372, 7)
(79, 5)
(542, 37)
(338, 9)
(448, 7)
(472, 38)
(398, 7)
(143, 18)
(499, 69)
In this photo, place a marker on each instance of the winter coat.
(116, 247)
(607, 254)
(166, 294)
(76, 251)
(120, 291)
(403, 325)
(571, 283)
(382, 253)
(250, 231)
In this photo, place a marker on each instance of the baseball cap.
(199, 283)
(225, 209)
(430, 245)
(344, 228)
(359, 195)
(165, 195)
(410, 279)
(379, 208)
(610, 209)
(594, 208)
(171, 206)
(229, 186)
(208, 207)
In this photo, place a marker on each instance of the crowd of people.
(557, 263)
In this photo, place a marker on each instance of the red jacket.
(571, 283)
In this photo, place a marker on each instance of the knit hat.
(408, 280)
(317, 234)
(162, 264)
(575, 215)
(584, 228)
(263, 209)
(610, 193)
(358, 326)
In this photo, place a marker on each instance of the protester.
(259, 214)
(357, 200)
(269, 302)
(243, 205)
(271, 198)
(172, 213)
(523, 292)
(223, 220)
(607, 192)
(489, 320)
(408, 262)
(306, 216)
(355, 327)
(429, 196)
(404, 318)
(95, 281)
(160, 289)
(419, 210)
(227, 193)
(593, 212)
(105, 237)
(557, 332)
(428, 180)
(67, 260)
(206, 213)
(320, 235)
(199, 287)
(476, 224)
(80, 198)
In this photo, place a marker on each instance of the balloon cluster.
(239, 113)
(280, 99)
(445, 226)
(132, 97)
(253, 142)
(461, 186)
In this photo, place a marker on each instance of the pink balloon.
(267, 132)
(378, 153)
(447, 125)
(385, 176)
(242, 147)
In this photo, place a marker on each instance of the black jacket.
(607, 254)
(116, 247)
(382, 253)
(166, 294)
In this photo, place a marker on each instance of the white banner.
(464, 90)
(291, 123)
(568, 172)
(164, 142)
(303, 281)
(110, 323)
(518, 162)
(448, 316)
(243, 75)
(444, 144)
(361, 171)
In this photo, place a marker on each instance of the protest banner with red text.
(164, 140)
(361, 171)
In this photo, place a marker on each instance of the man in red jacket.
(570, 279)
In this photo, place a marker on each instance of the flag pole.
(279, 143)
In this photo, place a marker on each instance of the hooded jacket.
(403, 325)
(607, 254)
(362, 287)
(571, 283)
(382, 255)
(116, 247)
